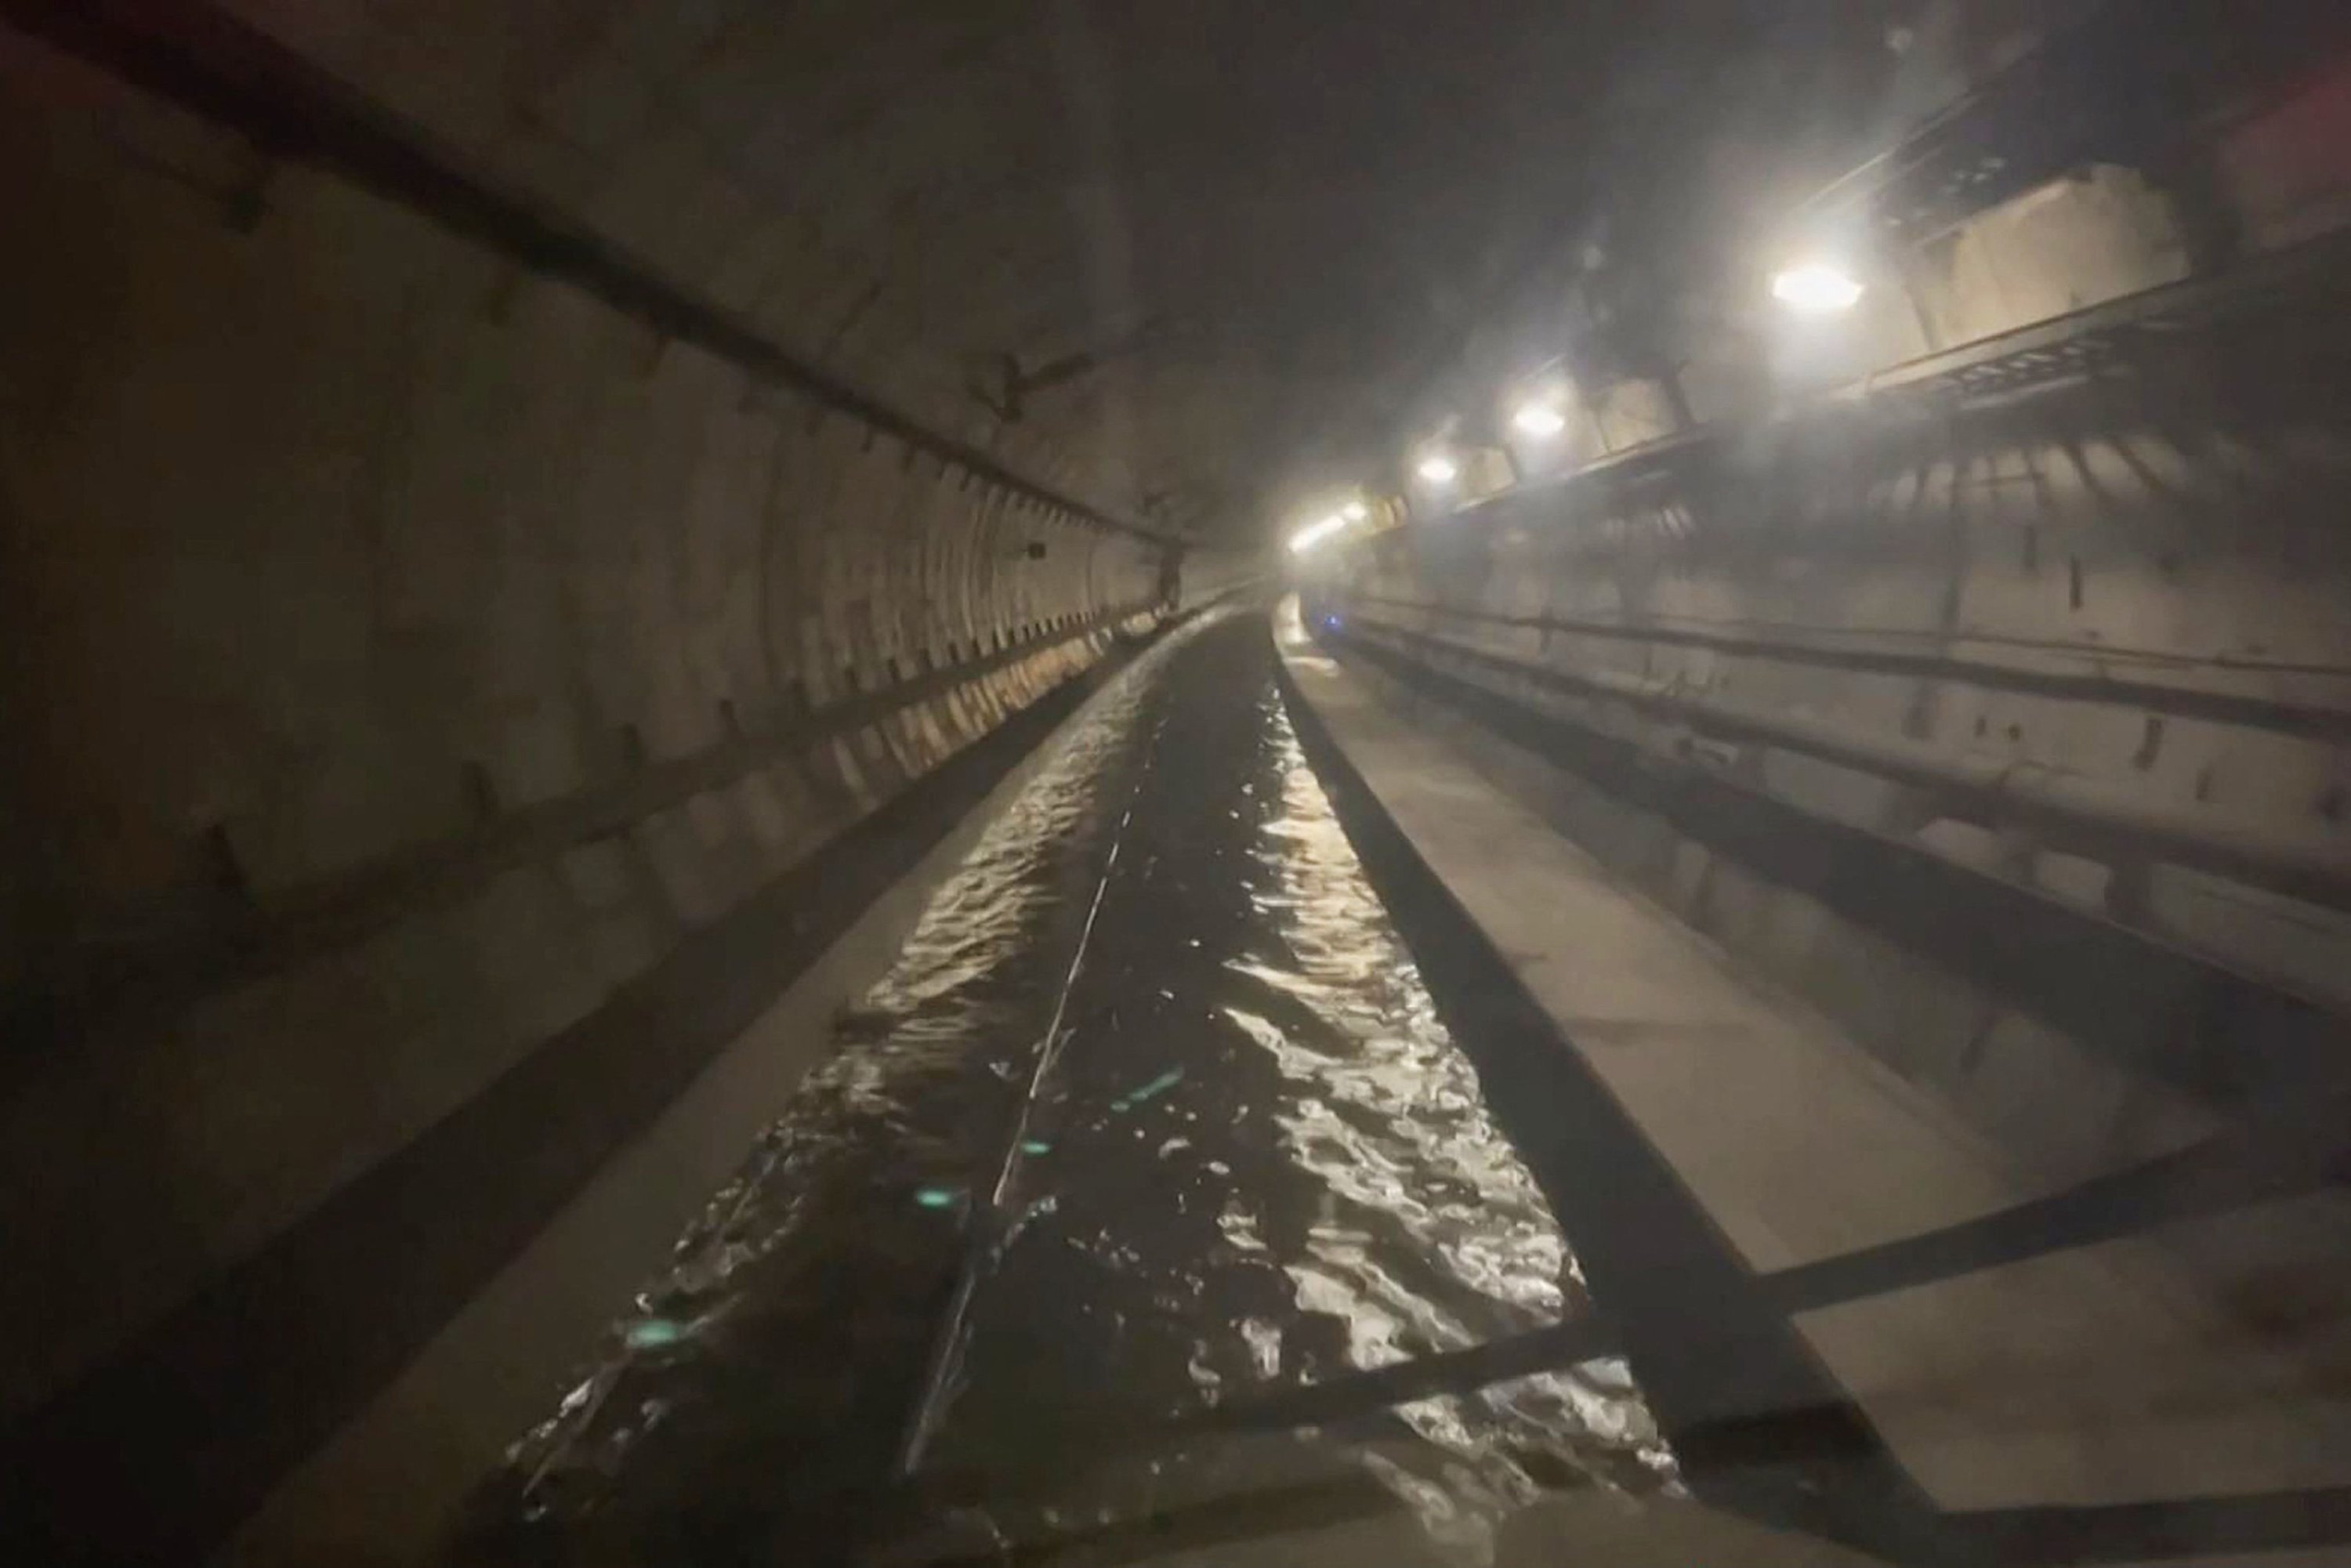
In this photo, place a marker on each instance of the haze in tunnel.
(542, 540)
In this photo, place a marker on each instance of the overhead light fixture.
(1313, 534)
(1539, 421)
(1437, 469)
(1815, 289)
(1354, 511)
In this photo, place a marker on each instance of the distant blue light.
(1330, 622)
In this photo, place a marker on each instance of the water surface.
(1153, 1110)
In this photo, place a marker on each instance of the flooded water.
(1154, 1110)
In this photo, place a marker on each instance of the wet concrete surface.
(1153, 1110)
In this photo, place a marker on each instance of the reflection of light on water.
(915, 1029)
(1434, 1237)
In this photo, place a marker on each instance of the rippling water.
(1152, 1109)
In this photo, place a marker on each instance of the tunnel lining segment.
(2086, 976)
(2195, 324)
(121, 984)
(205, 61)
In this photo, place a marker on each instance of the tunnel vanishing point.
(1679, 677)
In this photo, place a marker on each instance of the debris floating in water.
(1040, 1209)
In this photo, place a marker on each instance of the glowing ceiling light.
(1437, 469)
(1313, 534)
(1540, 420)
(1815, 289)
(1354, 511)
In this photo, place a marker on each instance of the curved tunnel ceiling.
(1169, 255)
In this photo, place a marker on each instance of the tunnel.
(1082, 781)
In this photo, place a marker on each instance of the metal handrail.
(2071, 813)
(2094, 678)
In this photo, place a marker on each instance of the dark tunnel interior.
(1081, 781)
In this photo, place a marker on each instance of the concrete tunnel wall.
(410, 658)
(2035, 587)
(407, 658)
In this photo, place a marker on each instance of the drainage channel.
(1155, 1110)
